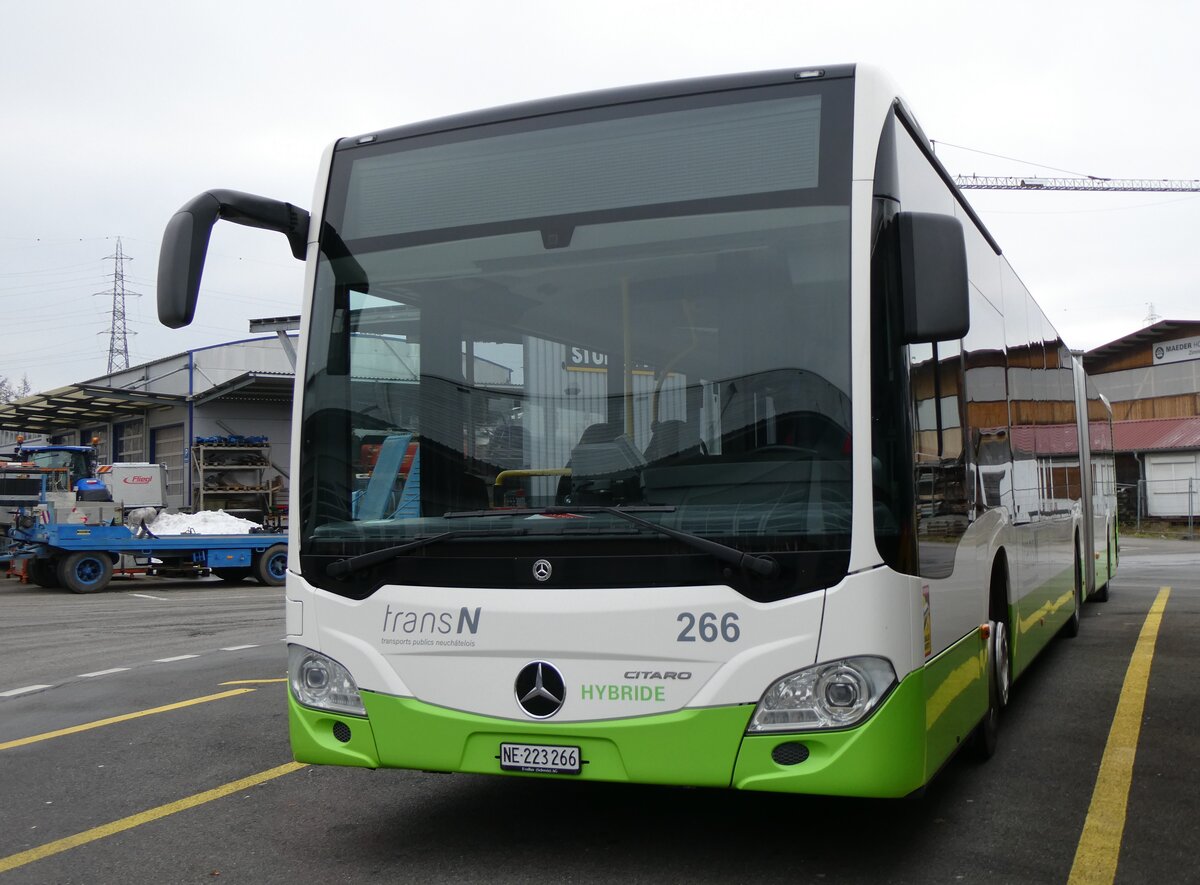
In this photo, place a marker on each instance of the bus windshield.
(515, 327)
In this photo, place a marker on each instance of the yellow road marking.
(125, 717)
(253, 681)
(1100, 845)
(136, 820)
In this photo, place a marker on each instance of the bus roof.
(601, 98)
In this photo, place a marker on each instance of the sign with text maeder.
(1176, 351)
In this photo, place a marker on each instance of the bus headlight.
(833, 695)
(321, 682)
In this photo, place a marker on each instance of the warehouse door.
(167, 449)
(129, 442)
(1171, 479)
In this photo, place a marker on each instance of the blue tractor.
(67, 469)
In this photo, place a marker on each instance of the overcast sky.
(117, 113)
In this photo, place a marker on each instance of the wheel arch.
(999, 586)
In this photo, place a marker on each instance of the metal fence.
(1164, 506)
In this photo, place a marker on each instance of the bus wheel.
(1071, 628)
(1101, 594)
(232, 575)
(270, 567)
(985, 737)
(44, 573)
(1001, 669)
(85, 572)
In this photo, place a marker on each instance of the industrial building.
(1152, 379)
(238, 394)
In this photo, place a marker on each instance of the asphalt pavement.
(143, 738)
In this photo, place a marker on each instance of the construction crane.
(1090, 183)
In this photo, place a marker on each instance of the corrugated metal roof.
(251, 386)
(1153, 435)
(1160, 331)
(1157, 434)
(66, 408)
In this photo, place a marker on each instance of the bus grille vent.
(791, 753)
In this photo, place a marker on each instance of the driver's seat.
(672, 439)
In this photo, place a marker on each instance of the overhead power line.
(937, 144)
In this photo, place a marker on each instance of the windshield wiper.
(764, 566)
(364, 561)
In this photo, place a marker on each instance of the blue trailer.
(82, 556)
(63, 522)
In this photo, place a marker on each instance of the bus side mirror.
(185, 244)
(933, 277)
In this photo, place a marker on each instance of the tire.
(1002, 668)
(44, 573)
(1071, 628)
(270, 567)
(986, 736)
(232, 575)
(983, 740)
(85, 572)
(1101, 594)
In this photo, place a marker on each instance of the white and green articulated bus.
(691, 433)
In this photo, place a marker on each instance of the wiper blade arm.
(366, 560)
(763, 566)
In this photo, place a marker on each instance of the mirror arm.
(185, 243)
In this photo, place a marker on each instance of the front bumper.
(885, 756)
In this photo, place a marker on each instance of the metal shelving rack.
(232, 478)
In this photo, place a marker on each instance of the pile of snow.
(206, 522)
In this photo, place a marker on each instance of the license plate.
(540, 758)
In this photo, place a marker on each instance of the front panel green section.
(898, 749)
(892, 754)
(695, 747)
(317, 739)
(956, 697)
(884, 757)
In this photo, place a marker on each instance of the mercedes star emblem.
(540, 690)
(542, 570)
